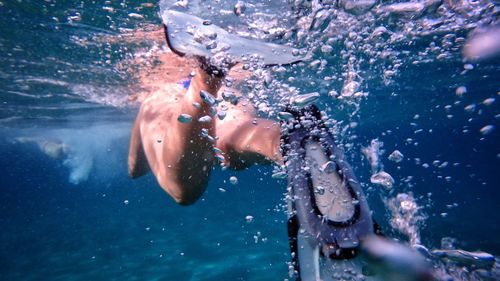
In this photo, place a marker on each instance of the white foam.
(85, 147)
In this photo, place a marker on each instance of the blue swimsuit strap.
(185, 83)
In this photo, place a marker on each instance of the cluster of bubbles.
(349, 45)
(406, 216)
(372, 154)
(354, 42)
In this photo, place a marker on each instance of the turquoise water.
(82, 218)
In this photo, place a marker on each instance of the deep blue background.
(54, 230)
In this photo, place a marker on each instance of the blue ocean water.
(84, 219)
(123, 229)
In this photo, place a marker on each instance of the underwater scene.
(406, 95)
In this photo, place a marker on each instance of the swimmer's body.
(178, 155)
(181, 155)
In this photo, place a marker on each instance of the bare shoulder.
(168, 93)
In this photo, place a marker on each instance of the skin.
(179, 157)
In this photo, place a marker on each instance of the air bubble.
(460, 91)
(396, 156)
(306, 99)
(185, 118)
(205, 119)
(487, 129)
(233, 180)
(383, 179)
